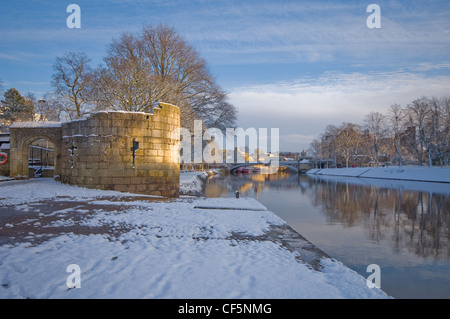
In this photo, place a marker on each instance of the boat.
(247, 170)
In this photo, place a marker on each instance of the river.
(403, 227)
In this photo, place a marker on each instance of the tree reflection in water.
(417, 220)
(402, 226)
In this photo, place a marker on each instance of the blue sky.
(293, 65)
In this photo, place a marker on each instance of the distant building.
(289, 156)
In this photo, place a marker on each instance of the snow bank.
(192, 183)
(19, 192)
(418, 186)
(237, 203)
(165, 249)
(425, 174)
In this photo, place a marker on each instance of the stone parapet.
(113, 150)
(97, 152)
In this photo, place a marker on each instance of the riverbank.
(193, 182)
(406, 173)
(134, 246)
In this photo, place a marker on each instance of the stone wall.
(96, 152)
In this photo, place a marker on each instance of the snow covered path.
(133, 246)
(191, 183)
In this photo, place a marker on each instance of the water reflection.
(250, 183)
(415, 220)
(401, 225)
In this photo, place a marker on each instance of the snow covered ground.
(409, 173)
(5, 178)
(134, 246)
(191, 183)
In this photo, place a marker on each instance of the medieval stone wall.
(97, 152)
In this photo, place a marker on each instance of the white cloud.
(9, 57)
(432, 66)
(311, 34)
(302, 109)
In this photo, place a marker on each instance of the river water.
(403, 227)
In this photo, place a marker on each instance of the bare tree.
(423, 127)
(53, 107)
(315, 149)
(445, 135)
(329, 143)
(419, 112)
(72, 80)
(439, 125)
(125, 81)
(158, 65)
(375, 124)
(349, 141)
(396, 119)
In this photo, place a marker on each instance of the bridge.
(294, 165)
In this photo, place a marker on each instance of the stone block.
(120, 188)
(119, 123)
(121, 180)
(141, 188)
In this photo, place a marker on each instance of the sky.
(294, 65)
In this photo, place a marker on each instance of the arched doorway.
(41, 158)
(34, 150)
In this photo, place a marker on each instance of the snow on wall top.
(40, 124)
(35, 124)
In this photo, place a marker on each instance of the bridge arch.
(289, 164)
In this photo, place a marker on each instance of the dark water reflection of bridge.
(402, 226)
